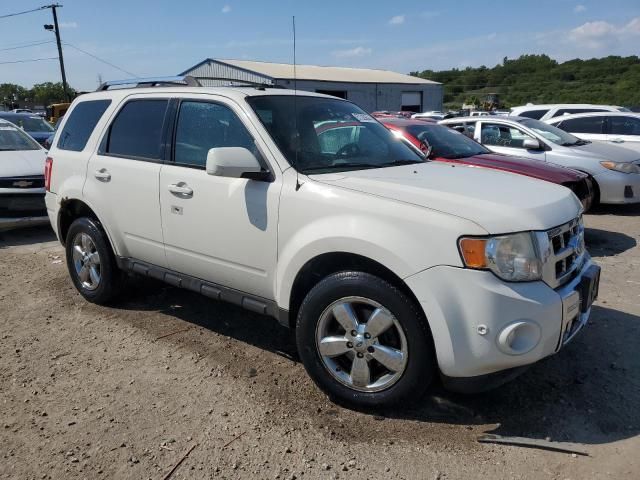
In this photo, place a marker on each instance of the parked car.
(21, 179)
(390, 268)
(545, 112)
(21, 110)
(619, 128)
(447, 145)
(614, 171)
(34, 125)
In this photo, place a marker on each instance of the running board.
(208, 289)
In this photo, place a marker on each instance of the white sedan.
(617, 128)
(21, 178)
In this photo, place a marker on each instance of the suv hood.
(499, 202)
(603, 151)
(523, 166)
(21, 163)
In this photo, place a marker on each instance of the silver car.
(614, 171)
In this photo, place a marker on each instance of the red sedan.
(446, 145)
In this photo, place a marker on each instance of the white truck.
(391, 269)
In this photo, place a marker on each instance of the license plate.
(588, 287)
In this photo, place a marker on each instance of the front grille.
(31, 181)
(18, 205)
(565, 252)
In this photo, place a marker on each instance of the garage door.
(412, 101)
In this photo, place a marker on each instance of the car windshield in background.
(12, 139)
(31, 123)
(446, 142)
(553, 134)
(329, 135)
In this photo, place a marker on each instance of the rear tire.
(364, 342)
(91, 261)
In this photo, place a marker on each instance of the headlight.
(623, 167)
(511, 257)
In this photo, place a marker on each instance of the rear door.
(219, 229)
(122, 178)
(624, 131)
(506, 139)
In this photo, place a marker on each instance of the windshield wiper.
(353, 165)
(396, 163)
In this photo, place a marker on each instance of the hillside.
(540, 79)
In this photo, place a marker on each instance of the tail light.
(48, 167)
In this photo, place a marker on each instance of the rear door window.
(569, 111)
(137, 130)
(624, 125)
(78, 127)
(502, 135)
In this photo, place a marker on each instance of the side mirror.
(531, 144)
(234, 162)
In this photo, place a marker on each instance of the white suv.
(545, 112)
(392, 269)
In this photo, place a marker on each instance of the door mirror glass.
(234, 162)
(531, 144)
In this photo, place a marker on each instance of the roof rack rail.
(184, 80)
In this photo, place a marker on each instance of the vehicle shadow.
(619, 210)
(26, 236)
(603, 243)
(587, 393)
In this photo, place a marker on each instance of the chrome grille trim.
(562, 252)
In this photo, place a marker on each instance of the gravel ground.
(125, 392)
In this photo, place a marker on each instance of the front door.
(215, 228)
(122, 180)
(506, 139)
(624, 131)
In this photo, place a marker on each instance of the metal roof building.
(371, 89)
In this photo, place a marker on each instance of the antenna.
(295, 105)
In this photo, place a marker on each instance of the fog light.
(519, 338)
(628, 191)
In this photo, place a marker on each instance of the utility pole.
(56, 30)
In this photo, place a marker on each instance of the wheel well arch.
(329, 263)
(70, 210)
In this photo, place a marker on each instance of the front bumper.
(482, 325)
(618, 187)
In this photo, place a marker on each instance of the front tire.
(364, 342)
(91, 261)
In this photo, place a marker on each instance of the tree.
(49, 92)
(11, 95)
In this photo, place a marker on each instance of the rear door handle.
(103, 175)
(181, 189)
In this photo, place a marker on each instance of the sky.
(163, 37)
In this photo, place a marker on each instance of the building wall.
(373, 97)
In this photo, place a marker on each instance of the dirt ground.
(125, 392)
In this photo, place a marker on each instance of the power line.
(22, 13)
(102, 60)
(24, 42)
(30, 60)
(26, 46)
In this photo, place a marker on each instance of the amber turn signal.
(473, 252)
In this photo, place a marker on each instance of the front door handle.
(103, 175)
(181, 189)
(617, 140)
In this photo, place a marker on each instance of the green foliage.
(40, 94)
(540, 79)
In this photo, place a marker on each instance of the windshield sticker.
(363, 117)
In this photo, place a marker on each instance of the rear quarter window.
(535, 114)
(80, 124)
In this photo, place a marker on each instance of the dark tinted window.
(569, 111)
(536, 114)
(80, 124)
(446, 142)
(137, 130)
(202, 126)
(583, 125)
(624, 125)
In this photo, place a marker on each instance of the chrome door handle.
(103, 175)
(181, 189)
(617, 140)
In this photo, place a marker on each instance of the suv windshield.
(553, 134)
(12, 138)
(329, 135)
(31, 124)
(446, 142)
